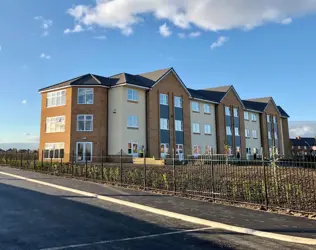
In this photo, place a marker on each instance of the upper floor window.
(178, 102)
(305, 147)
(196, 128)
(132, 121)
(274, 119)
(54, 150)
(247, 133)
(57, 98)
(228, 130)
(132, 95)
(55, 124)
(237, 131)
(235, 112)
(85, 96)
(275, 135)
(85, 123)
(268, 118)
(299, 147)
(254, 134)
(246, 115)
(178, 125)
(253, 117)
(207, 129)
(195, 106)
(207, 108)
(227, 111)
(163, 99)
(269, 135)
(164, 124)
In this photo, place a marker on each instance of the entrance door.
(84, 151)
(179, 151)
(164, 150)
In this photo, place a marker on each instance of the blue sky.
(261, 53)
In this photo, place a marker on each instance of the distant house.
(303, 145)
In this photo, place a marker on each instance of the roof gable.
(282, 112)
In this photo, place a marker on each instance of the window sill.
(132, 101)
(179, 130)
(194, 111)
(135, 128)
(164, 104)
(208, 134)
(178, 107)
(196, 133)
(254, 121)
(207, 113)
(164, 129)
(85, 103)
(84, 130)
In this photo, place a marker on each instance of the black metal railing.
(282, 183)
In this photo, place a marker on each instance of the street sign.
(314, 148)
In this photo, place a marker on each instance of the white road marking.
(127, 239)
(183, 217)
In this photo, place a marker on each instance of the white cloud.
(78, 28)
(44, 56)
(287, 21)
(303, 129)
(195, 34)
(46, 24)
(182, 35)
(164, 30)
(212, 15)
(24, 102)
(220, 42)
(102, 37)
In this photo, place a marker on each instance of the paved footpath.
(33, 216)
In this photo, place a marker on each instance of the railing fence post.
(121, 168)
(145, 174)
(265, 182)
(174, 173)
(212, 176)
(102, 170)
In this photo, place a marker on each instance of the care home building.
(92, 115)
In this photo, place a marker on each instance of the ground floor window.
(196, 150)
(132, 148)
(179, 151)
(164, 150)
(54, 150)
(248, 151)
(84, 151)
(208, 150)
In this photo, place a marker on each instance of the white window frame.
(207, 108)
(195, 107)
(56, 122)
(246, 115)
(56, 99)
(237, 131)
(134, 121)
(85, 93)
(164, 124)
(228, 130)
(227, 111)
(274, 119)
(84, 151)
(178, 125)
(196, 128)
(275, 135)
(178, 102)
(254, 134)
(132, 95)
(207, 129)
(53, 147)
(268, 118)
(166, 150)
(269, 135)
(253, 117)
(85, 122)
(236, 112)
(163, 99)
(247, 133)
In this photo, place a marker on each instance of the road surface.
(34, 216)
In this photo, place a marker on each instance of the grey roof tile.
(282, 112)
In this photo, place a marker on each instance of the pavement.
(33, 216)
